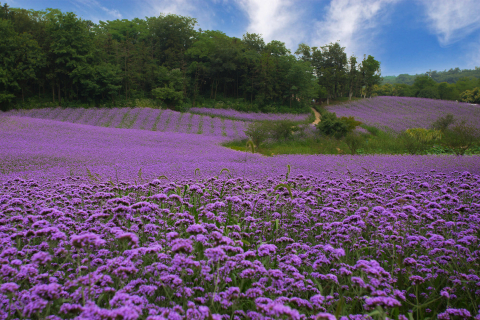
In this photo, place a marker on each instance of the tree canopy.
(59, 58)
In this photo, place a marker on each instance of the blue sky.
(406, 36)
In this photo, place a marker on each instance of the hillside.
(450, 76)
(401, 113)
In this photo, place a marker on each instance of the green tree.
(371, 74)
(447, 91)
(70, 47)
(472, 96)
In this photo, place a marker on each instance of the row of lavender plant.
(142, 118)
(370, 246)
(249, 116)
(401, 113)
(47, 149)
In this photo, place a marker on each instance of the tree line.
(451, 76)
(424, 86)
(51, 58)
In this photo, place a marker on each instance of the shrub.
(429, 92)
(145, 103)
(351, 123)
(443, 123)
(424, 135)
(460, 138)
(336, 127)
(354, 142)
(282, 129)
(258, 132)
(411, 143)
(472, 96)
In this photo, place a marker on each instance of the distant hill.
(450, 76)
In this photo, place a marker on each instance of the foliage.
(258, 132)
(426, 86)
(354, 141)
(442, 123)
(350, 122)
(332, 126)
(336, 127)
(449, 77)
(460, 137)
(424, 135)
(282, 129)
(472, 96)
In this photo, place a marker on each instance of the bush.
(336, 127)
(354, 142)
(258, 132)
(282, 129)
(460, 138)
(424, 135)
(472, 96)
(443, 123)
(411, 143)
(351, 123)
(429, 92)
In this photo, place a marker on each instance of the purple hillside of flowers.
(248, 116)
(61, 149)
(401, 113)
(224, 247)
(141, 118)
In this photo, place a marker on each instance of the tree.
(371, 74)
(472, 96)
(70, 46)
(423, 82)
(352, 76)
(447, 91)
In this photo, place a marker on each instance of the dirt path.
(317, 117)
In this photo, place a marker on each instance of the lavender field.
(400, 113)
(141, 118)
(99, 222)
(249, 116)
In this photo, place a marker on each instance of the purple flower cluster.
(239, 248)
(145, 119)
(65, 151)
(248, 116)
(401, 113)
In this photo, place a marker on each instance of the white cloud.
(472, 58)
(198, 9)
(452, 20)
(353, 22)
(274, 20)
(95, 4)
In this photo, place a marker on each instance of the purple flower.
(461, 313)
(215, 254)
(266, 250)
(9, 287)
(182, 246)
(385, 302)
(41, 258)
(86, 239)
(196, 229)
(132, 238)
(325, 316)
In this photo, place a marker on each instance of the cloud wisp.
(452, 20)
(353, 22)
(201, 10)
(95, 4)
(274, 20)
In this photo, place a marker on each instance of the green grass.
(379, 143)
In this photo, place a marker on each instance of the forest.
(424, 86)
(50, 58)
(454, 84)
(450, 76)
